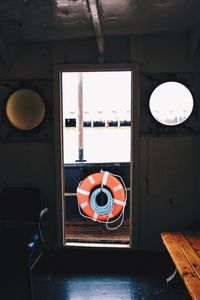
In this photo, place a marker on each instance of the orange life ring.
(86, 188)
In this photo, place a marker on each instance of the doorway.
(95, 127)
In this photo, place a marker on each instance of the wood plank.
(188, 251)
(184, 268)
(194, 288)
(194, 240)
(90, 223)
(77, 231)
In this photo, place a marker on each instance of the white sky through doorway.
(106, 96)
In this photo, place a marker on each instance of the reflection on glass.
(25, 109)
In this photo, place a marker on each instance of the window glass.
(171, 103)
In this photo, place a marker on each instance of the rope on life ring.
(115, 191)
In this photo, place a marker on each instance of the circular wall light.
(171, 103)
(25, 109)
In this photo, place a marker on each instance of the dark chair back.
(20, 203)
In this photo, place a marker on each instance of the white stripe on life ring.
(84, 204)
(95, 216)
(105, 177)
(83, 192)
(117, 187)
(91, 179)
(122, 203)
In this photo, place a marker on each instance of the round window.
(25, 109)
(171, 103)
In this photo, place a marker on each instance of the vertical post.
(80, 117)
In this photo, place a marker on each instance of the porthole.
(171, 103)
(25, 109)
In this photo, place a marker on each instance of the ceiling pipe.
(94, 11)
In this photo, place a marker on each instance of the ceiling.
(50, 20)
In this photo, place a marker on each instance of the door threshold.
(96, 245)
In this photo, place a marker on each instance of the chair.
(21, 237)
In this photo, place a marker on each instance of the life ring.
(86, 192)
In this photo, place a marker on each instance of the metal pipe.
(95, 16)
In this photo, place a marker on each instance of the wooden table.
(184, 249)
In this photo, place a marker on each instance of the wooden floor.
(93, 232)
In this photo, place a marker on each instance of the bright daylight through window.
(171, 103)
